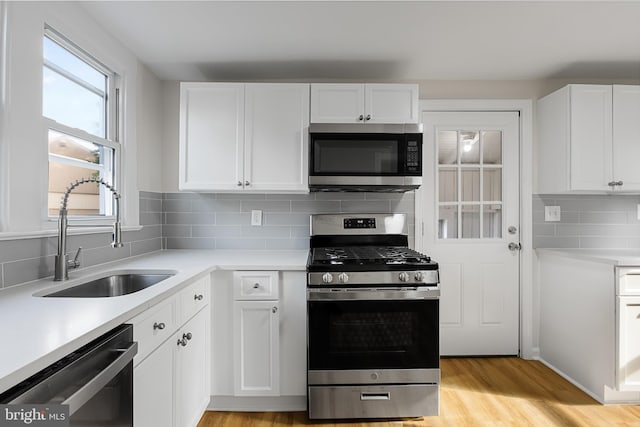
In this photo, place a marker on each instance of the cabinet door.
(391, 103)
(153, 388)
(256, 348)
(276, 137)
(628, 369)
(192, 370)
(591, 137)
(211, 136)
(337, 103)
(626, 136)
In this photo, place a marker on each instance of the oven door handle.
(87, 391)
(371, 294)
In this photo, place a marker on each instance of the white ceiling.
(378, 40)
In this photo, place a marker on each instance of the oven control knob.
(343, 277)
(419, 276)
(327, 277)
(404, 277)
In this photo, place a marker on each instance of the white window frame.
(112, 128)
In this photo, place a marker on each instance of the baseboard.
(258, 404)
(600, 399)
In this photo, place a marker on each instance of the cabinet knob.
(198, 297)
(361, 117)
(256, 285)
(274, 310)
(239, 184)
(159, 326)
(619, 183)
(368, 116)
(187, 336)
(182, 342)
(247, 183)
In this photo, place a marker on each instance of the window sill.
(72, 230)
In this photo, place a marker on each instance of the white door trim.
(525, 107)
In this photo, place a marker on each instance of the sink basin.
(112, 286)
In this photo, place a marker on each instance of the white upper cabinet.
(588, 139)
(244, 137)
(276, 137)
(211, 136)
(364, 103)
(626, 136)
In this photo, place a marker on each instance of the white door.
(470, 202)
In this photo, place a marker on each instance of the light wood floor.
(496, 392)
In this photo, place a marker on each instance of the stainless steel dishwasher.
(96, 382)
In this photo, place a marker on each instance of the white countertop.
(38, 331)
(616, 257)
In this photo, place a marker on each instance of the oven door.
(372, 330)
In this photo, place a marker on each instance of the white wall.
(150, 135)
(23, 144)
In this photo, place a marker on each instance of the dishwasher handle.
(87, 391)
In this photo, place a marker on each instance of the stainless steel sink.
(112, 286)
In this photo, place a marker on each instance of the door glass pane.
(469, 147)
(492, 185)
(470, 221)
(447, 147)
(492, 221)
(492, 147)
(470, 185)
(448, 185)
(448, 222)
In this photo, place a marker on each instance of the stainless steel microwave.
(381, 158)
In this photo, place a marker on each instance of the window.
(81, 122)
(469, 184)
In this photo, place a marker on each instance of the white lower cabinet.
(153, 389)
(259, 341)
(256, 348)
(192, 370)
(587, 333)
(171, 372)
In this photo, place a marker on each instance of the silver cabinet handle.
(361, 117)
(368, 117)
(198, 297)
(185, 339)
(239, 184)
(159, 326)
(619, 183)
(256, 285)
(274, 310)
(247, 183)
(187, 336)
(615, 183)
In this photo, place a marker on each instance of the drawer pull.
(198, 297)
(375, 396)
(256, 285)
(159, 326)
(274, 310)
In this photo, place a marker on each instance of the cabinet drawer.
(193, 298)
(255, 285)
(152, 327)
(628, 281)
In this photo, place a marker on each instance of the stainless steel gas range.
(372, 320)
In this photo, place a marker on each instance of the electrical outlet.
(256, 217)
(552, 213)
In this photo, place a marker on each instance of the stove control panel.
(359, 223)
(381, 278)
